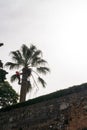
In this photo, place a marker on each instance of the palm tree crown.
(30, 61)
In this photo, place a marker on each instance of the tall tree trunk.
(23, 90)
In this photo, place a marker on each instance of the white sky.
(57, 27)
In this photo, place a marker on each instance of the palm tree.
(32, 65)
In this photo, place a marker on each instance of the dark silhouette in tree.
(31, 63)
(1, 44)
(2, 73)
(1, 64)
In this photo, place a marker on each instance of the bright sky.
(57, 27)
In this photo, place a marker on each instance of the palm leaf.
(43, 83)
(41, 61)
(16, 56)
(38, 61)
(24, 50)
(20, 56)
(43, 70)
(28, 87)
(37, 53)
(14, 78)
(34, 61)
(12, 65)
(33, 48)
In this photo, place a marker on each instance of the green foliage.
(2, 75)
(8, 96)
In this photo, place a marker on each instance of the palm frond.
(28, 87)
(37, 53)
(28, 53)
(43, 70)
(31, 51)
(43, 83)
(13, 53)
(24, 50)
(17, 56)
(12, 65)
(38, 61)
(41, 61)
(14, 78)
(34, 61)
(28, 57)
(35, 80)
(33, 48)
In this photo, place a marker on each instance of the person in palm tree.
(18, 76)
(28, 74)
(30, 61)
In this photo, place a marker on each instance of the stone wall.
(64, 113)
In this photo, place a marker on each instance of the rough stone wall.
(66, 113)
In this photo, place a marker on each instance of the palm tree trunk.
(23, 90)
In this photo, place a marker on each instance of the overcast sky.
(57, 27)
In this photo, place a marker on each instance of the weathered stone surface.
(64, 105)
(65, 113)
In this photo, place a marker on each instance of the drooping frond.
(12, 65)
(28, 87)
(14, 78)
(43, 83)
(41, 61)
(35, 80)
(43, 70)
(38, 61)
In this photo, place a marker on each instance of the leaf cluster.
(8, 95)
